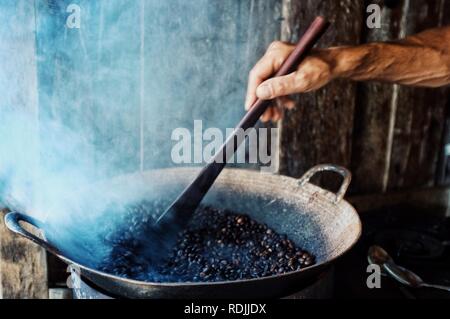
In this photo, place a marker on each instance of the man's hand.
(419, 60)
(313, 73)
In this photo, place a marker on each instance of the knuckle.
(279, 88)
(271, 89)
(253, 74)
(299, 77)
(301, 81)
(309, 64)
(278, 61)
(275, 59)
(276, 45)
(302, 75)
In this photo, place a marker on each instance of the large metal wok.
(316, 219)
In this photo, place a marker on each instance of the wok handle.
(12, 221)
(345, 173)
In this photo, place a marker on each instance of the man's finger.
(289, 104)
(276, 114)
(267, 115)
(285, 102)
(264, 68)
(261, 71)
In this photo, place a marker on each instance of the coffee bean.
(216, 246)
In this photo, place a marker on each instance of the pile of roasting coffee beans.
(217, 246)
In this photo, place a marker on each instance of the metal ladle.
(379, 256)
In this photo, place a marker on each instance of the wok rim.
(316, 266)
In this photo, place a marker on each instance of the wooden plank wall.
(320, 128)
(420, 114)
(23, 271)
(375, 105)
(389, 136)
(23, 267)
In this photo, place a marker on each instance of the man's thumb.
(276, 87)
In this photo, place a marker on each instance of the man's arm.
(419, 60)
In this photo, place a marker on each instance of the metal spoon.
(379, 256)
